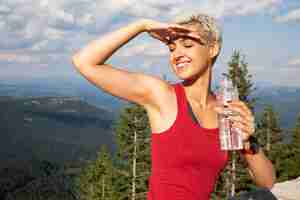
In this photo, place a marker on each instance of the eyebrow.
(200, 40)
(185, 38)
(181, 39)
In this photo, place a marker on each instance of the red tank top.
(186, 158)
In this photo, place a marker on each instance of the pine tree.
(269, 130)
(289, 165)
(235, 177)
(133, 140)
(96, 180)
(270, 137)
(295, 143)
(239, 74)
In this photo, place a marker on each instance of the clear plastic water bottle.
(230, 137)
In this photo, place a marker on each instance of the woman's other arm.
(261, 169)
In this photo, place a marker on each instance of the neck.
(199, 90)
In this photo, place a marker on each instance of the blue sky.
(38, 37)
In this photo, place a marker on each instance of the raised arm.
(99, 50)
(136, 87)
(90, 62)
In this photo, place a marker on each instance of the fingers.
(179, 28)
(168, 33)
(238, 118)
(243, 110)
(241, 117)
(246, 129)
(240, 104)
(182, 31)
(247, 145)
(192, 35)
(160, 36)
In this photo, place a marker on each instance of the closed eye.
(171, 47)
(188, 45)
(189, 41)
(186, 42)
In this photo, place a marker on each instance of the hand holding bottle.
(230, 135)
(236, 121)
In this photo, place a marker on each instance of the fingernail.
(217, 107)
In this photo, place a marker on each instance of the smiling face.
(189, 57)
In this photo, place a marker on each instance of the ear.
(214, 50)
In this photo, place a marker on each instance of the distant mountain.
(70, 120)
(66, 123)
(60, 88)
(54, 128)
(285, 101)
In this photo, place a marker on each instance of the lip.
(183, 63)
(181, 59)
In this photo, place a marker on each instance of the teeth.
(182, 64)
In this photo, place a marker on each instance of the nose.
(177, 53)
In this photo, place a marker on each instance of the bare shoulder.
(140, 88)
(162, 110)
(160, 92)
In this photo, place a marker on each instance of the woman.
(186, 157)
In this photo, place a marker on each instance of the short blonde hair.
(208, 28)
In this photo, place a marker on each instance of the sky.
(39, 37)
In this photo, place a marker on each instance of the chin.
(186, 77)
(182, 76)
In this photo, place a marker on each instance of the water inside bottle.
(230, 137)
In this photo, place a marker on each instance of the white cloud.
(4, 10)
(24, 24)
(48, 29)
(213, 8)
(18, 58)
(287, 77)
(276, 76)
(54, 34)
(241, 7)
(217, 8)
(153, 49)
(62, 20)
(27, 24)
(153, 8)
(143, 10)
(294, 62)
(86, 19)
(291, 16)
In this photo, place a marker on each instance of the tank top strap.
(181, 99)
